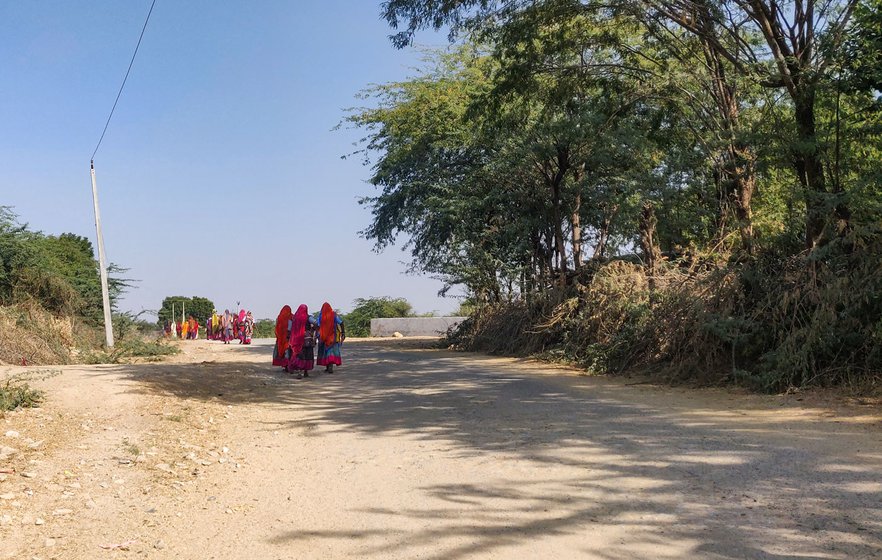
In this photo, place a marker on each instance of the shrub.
(358, 321)
(772, 323)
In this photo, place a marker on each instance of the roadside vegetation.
(691, 190)
(50, 302)
(358, 321)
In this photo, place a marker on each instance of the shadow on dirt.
(732, 487)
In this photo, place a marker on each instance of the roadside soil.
(412, 452)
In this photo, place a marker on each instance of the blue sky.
(221, 154)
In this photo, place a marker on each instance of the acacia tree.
(798, 40)
(494, 189)
(198, 307)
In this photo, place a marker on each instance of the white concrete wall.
(414, 326)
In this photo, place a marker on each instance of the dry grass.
(771, 323)
(29, 335)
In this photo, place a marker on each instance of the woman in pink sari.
(240, 326)
(301, 351)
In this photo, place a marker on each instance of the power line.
(119, 93)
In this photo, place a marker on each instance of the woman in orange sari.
(332, 333)
(283, 330)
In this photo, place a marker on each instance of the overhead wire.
(128, 71)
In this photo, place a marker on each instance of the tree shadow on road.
(600, 463)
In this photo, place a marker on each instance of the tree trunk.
(577, 235)
(737, 185)
(603, 238)
(736, 173)
(809, 169)
(557, 212)
(651, 253)
(576, 220)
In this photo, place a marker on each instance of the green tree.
(199, 308)
(358, 321)
(782, 47)
(265, 328)
(58, 272)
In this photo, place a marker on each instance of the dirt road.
(408, 452)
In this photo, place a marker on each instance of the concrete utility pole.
(102, 265)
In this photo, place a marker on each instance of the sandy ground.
(409, 452)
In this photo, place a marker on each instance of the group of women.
(302, 340)
(187, 329)
(225, 327)
(217, 327)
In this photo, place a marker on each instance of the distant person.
(215, 326)
(167, 329)
(240, 326)
(332, 333)
(249, 327)
(185, 329)
(227, 327)
(194, 328)
(284, 324)
(178, 329)
(302, 343)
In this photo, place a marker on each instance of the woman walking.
(301, 343)
(227, 327)
(332, 333)
(215, 326)
(240, 326)
(249, 327)
(283, 330)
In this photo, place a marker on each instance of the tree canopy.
(199, 308)
(693, 147)
(58, 272)
(358, 321)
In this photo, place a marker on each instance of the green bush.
(14, 396)
(264, 328)
(771, 323)
(358, 321)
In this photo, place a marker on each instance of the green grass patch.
(145, 349)
(16, 394)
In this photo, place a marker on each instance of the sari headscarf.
(282, 329)
(298, 330)
(241, 315)
(328, 326)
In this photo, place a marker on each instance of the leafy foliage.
(19, 395)
(358, 321)
(198, 307)
(692, 186)
(59, 273)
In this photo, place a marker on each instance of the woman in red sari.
(283, 328)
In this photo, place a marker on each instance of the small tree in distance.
(358, 321)
(199, 307)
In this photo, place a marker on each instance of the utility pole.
(102, 265)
